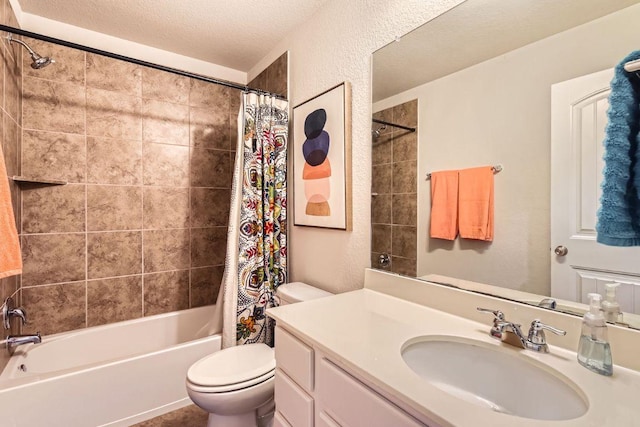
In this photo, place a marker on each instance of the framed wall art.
(322, 160)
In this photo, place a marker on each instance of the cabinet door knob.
(561, 250)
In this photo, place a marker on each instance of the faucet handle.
(496, 313)
(9, 310)
(536, 332)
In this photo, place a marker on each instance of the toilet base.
(239, 420)
(262, 417)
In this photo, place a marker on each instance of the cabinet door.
(352, 404)
(294, 404)
(295, 358)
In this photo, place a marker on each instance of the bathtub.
(112, 375)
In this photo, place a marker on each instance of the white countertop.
(365, 330)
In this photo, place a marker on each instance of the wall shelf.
(34, 181)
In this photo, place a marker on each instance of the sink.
(495, 378)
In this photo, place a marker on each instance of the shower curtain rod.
(382, 122)
(244, 88)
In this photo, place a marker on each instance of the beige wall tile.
(210, 168)
(405, 177)
(13, 86)
(165, 122)
(114, 161)
(114, 300)
(52, 258)
(113, 115)
(53, 106)
(166, 250)
(203, 94)
(381, 209)
(277, 75)
(404, 241)
(208, 246)
(381, 179)
(406, 114)
(209, 207)
(113, 75)
(209, 127)
(69, 66)
(165, 165)
(53, 156)
(55, 308)
(381, 238)
(111, 207)
(165, 292)
(405, 146)
(164, 86)
(156, 214)
(11, 144)
(114, 254)
(53, 209)
(404, 209)
(404, 266)
(205, 284)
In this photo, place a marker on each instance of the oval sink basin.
(494, 378)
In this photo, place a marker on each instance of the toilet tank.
(293, 292)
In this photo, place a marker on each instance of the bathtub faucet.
(14, 341)
(9, 310)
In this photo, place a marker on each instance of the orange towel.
(444, 205)
(10, 258)
(475, 211)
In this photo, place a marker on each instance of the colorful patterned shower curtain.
(256, 243)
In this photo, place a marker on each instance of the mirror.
(479, 83)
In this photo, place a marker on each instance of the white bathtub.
(112, 375)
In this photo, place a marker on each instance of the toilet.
(235, 385)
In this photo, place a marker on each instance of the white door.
(578, 120)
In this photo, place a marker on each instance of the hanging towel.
(619, 214)
(444, 205)
(475, 210)
(10, 258)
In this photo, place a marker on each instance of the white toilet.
(235, 385)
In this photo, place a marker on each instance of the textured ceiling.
(234, 34)
(473, 32)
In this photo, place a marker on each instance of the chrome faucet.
(535, 339)
(9, 310)
(14, 341)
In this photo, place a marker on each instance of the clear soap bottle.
(594, 351)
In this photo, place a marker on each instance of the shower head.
(376, 133)
(37, 60)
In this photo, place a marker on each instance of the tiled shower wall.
(394, 189)
(140, 228)
(10, 130)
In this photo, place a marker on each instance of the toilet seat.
(233, 368)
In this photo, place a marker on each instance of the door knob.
(561, 250)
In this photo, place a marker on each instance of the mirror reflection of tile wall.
(394, 190)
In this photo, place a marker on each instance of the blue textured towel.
(619, 214)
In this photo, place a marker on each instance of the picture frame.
(322, 160)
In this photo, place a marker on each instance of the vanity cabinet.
(313, 390)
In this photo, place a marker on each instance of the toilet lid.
(233, 365)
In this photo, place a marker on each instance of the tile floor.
(189, 416)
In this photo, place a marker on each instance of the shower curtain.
(256, 260)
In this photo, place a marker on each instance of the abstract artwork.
(321, 160)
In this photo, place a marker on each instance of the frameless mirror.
(523, 85)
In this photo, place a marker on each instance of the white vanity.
(381, 356)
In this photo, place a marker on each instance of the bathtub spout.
(14, 341)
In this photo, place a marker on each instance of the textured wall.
(334, 46)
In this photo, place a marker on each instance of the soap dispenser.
(610, 304)
(594, 351)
